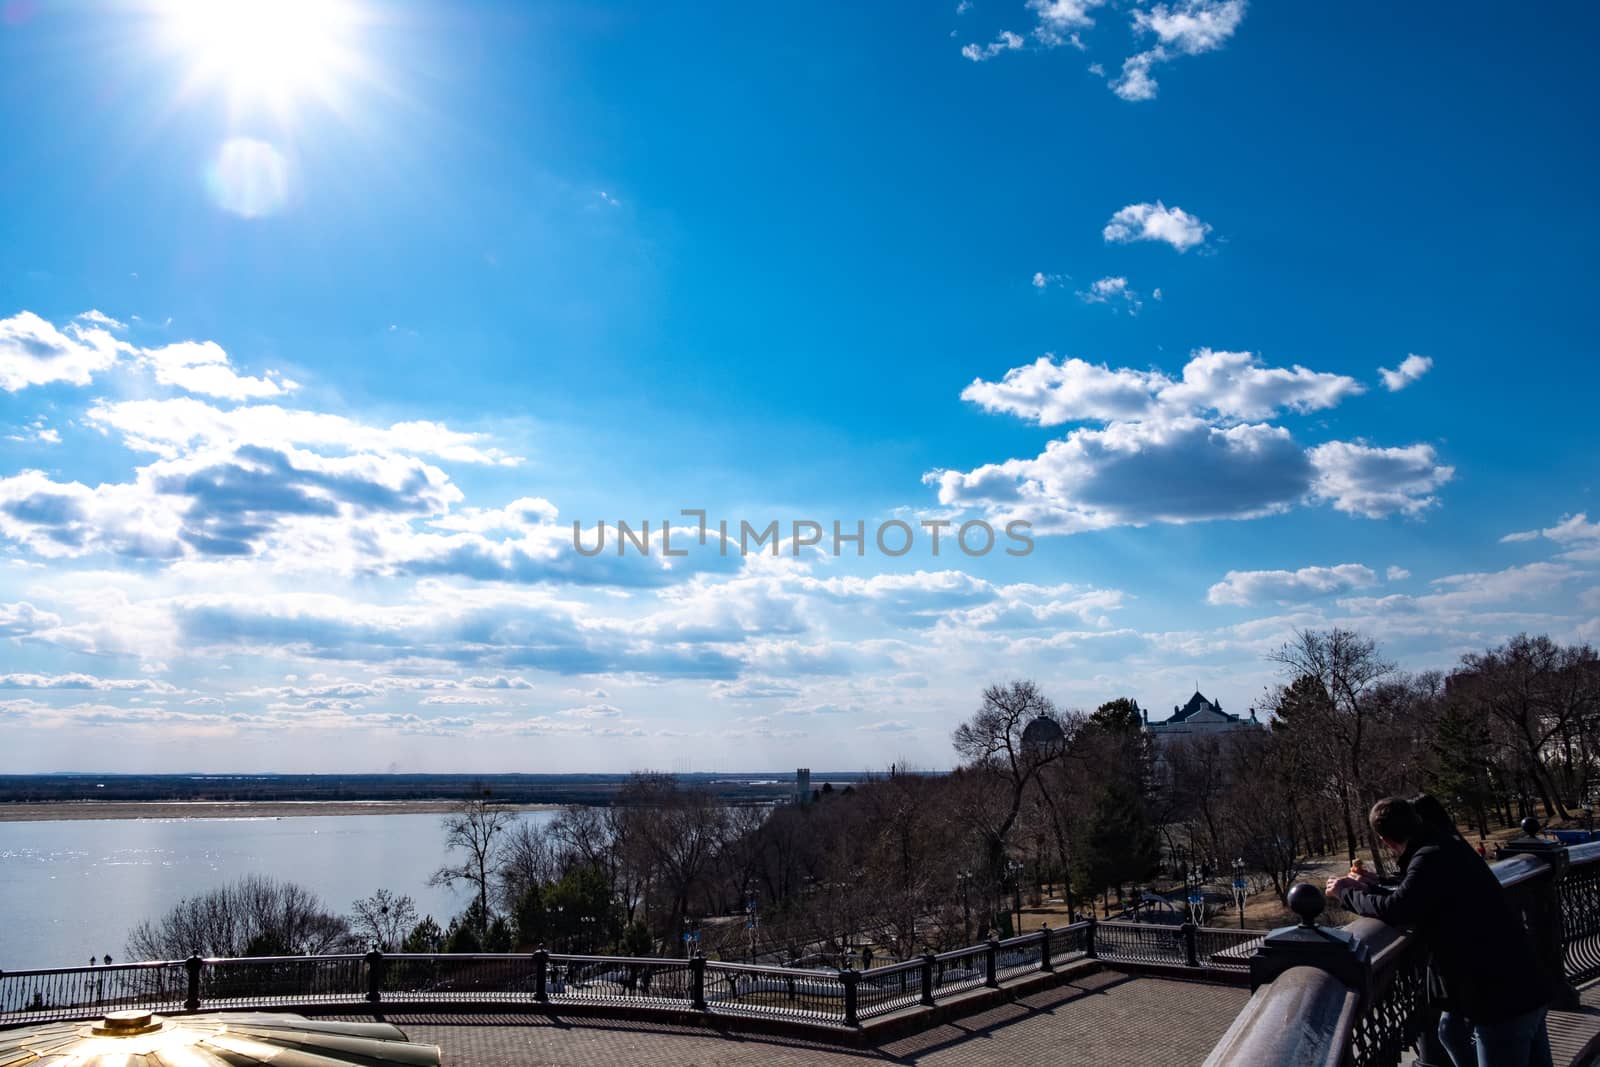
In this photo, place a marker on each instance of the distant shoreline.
(105, 810)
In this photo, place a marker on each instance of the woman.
(1446, 1035)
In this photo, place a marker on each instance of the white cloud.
(1180, 450)
(753, 689)
(1041, 280)
(1234, 385)
(887, 726)
(36, 432)
(180, 424)
(1396, 574)
(1156, 222)
(1114, 291)
(33, 352)
(1460, 597)
(1237, 385)
(1579, 537)
(1059, 20)
(1134, 473)
(1187, 28)
(1410, 369)
(202, 367)
(1192, 27)
(1363, 480)
(592, 711)
(85, 681)
(1253, 587)
(1135, 83)
(99, 318)
(22, 618)
(1005, 41)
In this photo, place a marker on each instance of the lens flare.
(249, 178)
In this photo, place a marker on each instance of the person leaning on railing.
(1480, 952)
(1446, 1027)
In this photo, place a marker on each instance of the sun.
(271, 54)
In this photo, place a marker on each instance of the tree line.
(1043, 802)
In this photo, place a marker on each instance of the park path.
(1100, 1018)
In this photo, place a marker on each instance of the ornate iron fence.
(1392, 1017)
(78, 992)
(543, 979)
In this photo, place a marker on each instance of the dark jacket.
(1481, 951)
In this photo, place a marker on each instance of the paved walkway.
(1101, 1018)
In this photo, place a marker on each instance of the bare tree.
(528, 857)
(383, 920)
(672, 838)
(993, 746)
(1342, 670)
(1547, 697)
(473, 832)
(253, 916)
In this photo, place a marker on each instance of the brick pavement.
(1100, 1018)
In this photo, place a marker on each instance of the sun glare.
(264, 53)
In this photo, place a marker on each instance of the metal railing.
(543, 979)
(1308, 1014)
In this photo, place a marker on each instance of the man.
(1480, 950)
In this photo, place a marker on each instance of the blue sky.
(320, 324)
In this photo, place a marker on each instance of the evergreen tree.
(424, 937)
(1459, 776)
(533, 927)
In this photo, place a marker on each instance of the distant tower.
(802, 785)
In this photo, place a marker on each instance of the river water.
(71, 890)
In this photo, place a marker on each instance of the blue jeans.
(1519, 1042)
(1455, 1038)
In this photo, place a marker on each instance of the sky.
(322, 324)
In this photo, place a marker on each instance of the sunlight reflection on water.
(73, 888)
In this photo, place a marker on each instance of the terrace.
(1110, 992)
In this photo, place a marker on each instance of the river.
(74, 889)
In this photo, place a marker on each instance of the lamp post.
(963, 880)
(1014, 870)
(751, 919)
(1240, 888)
(1195, 897)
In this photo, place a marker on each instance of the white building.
(1199, 716)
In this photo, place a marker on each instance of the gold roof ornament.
(137, 1038)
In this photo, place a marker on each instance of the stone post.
(374, 976)
(697, 981)
(1328, 948)
(192, 965)
(849, 979)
